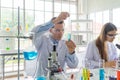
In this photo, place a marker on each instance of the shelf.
(82, 45)
(82, 20)
(10, 52)
(82, 32)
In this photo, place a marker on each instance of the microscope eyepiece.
(118, 46)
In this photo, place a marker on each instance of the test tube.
(101, 74)
(69, 36)
(101, 63)
(101, 69)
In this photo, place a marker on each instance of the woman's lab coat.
(93, 56)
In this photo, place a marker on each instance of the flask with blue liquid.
(30, 55)
(30, 52)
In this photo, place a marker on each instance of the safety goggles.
(111, 35)
(58, 30)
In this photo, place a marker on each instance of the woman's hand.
(110, 64)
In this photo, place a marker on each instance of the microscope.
(53, 65)
(118, 60)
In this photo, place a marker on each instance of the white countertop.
(9, 52)
(108, 72)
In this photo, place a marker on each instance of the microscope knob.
(60, 69)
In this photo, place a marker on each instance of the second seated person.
(103, 48)
(44, 43)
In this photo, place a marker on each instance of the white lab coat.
(93, 56)
(44, 46)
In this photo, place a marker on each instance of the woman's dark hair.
(100, 41)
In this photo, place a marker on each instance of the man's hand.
(62, 16)
(71, 46)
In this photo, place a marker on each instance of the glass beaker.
(101, 63)
(40, 78)
(86, 63)
(30, 52)
(39, 74)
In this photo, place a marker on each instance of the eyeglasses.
(58, 30)
(111, 35)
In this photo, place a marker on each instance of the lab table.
(77, 73)
(3, 54)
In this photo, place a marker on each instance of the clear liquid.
(30, 55)
(40, 78)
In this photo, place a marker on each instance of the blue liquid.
(30, 55)
(40, 78)
(69, 36)
(101, 74)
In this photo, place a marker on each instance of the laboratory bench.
(77, 72)
(109, 72)
(3, 60)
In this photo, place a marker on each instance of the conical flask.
(30, 52)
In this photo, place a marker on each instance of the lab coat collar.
(54, 40)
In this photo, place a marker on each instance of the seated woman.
(103, 48)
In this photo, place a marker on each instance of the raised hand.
(62, 16)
